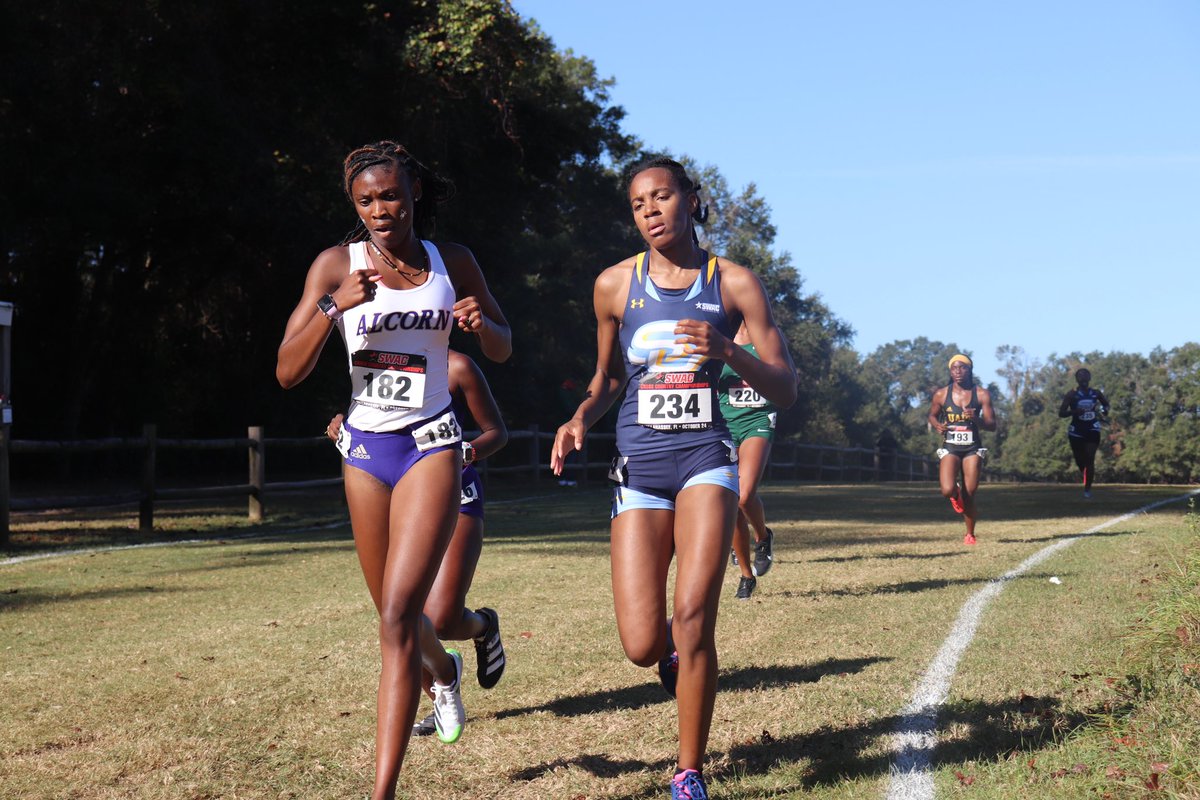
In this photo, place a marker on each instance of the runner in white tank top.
(397, 348)
(394, 296)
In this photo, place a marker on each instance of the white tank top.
(398, 347)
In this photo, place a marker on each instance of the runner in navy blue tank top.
(665, 322)
(958, 411)
(1086, 407)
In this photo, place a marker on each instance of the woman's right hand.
(569, 437)
(357, 288)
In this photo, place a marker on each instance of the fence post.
(146, 504)
(258, 472)
(5, 486)
(533, 452)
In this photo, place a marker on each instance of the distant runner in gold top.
(958, 412)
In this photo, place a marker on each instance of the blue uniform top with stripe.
(1086, 407)
(670, 393)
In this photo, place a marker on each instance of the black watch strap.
(328, 307)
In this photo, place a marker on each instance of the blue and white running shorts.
(654, 480)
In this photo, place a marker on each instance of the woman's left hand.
(468, 314)
(702, 338)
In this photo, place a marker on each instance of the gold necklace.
(409, 276)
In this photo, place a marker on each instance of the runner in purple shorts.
(446, 606)
(394, 298)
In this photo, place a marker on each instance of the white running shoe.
(448, 712)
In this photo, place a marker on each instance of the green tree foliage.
(1153, 428)
(897, 383)
(739, 227)
(179, 166)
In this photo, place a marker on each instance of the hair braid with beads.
(434, 188)
(682, 180)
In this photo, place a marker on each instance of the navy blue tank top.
(1085, 412)
(670, 394)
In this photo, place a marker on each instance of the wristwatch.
(468, 453)
(328, 307)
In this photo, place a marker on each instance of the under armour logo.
(637, 303)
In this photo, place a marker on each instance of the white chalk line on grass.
(916, 733)
(88, 551)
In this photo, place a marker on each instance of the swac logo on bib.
(654, 345)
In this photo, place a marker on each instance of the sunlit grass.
(246, 667)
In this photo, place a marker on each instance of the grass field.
(245, 667)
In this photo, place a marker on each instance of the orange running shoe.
(969, 539)
(956, 501)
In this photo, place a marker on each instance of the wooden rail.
(530, 460)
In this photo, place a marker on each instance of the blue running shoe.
(688, 785)
(668, 671)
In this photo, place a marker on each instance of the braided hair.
(680, 177)
(434, 188)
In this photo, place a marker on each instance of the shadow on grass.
(908, 587)
(648, 694)
(886, 557)
(830, 755)
(1051, 537)
(13, 600)
(983, 732)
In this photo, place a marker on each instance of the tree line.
(174, 168)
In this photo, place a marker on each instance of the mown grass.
(246, 667)
(1142, 737)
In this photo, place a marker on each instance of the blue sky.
(987, 174)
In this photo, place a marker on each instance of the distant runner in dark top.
(1086, 407)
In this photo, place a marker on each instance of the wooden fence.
(529, 461)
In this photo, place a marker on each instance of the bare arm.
(477, 311)
(605, 386)
(987, 417)
(772, 374)
(467, 381)
(935, 410)
(308, 328)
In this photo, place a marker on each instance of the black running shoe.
(425, 727)
(746, 588)
(489, 650)
(763, 554)
(668, 671)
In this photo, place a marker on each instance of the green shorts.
(747, 426)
